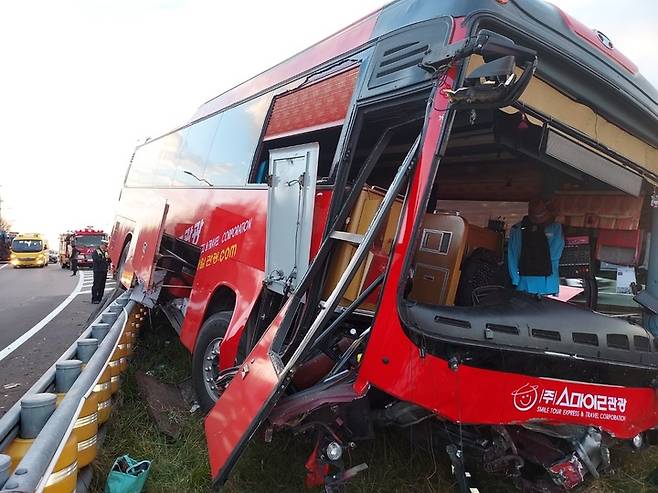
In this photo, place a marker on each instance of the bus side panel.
(232, 242)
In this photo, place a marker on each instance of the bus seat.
(446, 240)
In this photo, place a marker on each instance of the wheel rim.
(211, 368)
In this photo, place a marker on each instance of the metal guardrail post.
(86, 349)
(5, 463)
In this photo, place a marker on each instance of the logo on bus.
(568, 402)
(525, 397)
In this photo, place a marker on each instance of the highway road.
(42, 311)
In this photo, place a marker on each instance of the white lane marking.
(19, 342)
(89, 292)
(3, 266)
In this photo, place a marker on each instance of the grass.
(396, 466)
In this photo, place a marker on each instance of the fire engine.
(330, 240)
(85, 240)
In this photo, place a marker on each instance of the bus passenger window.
(145, 161)
(166, 167)
(234, 145)
(193, 156)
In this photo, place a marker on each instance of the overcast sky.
(83, 82)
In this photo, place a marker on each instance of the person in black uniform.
(74, 259)
(100, 266)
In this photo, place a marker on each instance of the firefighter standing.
(74, 259)
(101, 264)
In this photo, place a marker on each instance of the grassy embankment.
(395, 466)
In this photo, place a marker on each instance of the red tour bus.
(331, 238)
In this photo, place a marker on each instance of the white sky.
(83, 81)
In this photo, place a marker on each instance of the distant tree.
(4, 224)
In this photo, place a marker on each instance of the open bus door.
(266, 372)
(141, 259)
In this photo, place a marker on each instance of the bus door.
(148, 235)
(291, 198)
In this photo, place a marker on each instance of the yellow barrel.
(104, 391)
(115, 370)
(65, 475)
(126, 340)
(86, 429)
(17, 450)
(121, 353)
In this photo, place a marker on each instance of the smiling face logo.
(525, 397)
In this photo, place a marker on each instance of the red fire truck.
(86, 241)
(329, 240)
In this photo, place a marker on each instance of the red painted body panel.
(593, 39)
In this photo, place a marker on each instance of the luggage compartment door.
(292, 176)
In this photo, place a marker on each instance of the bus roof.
(549, 26)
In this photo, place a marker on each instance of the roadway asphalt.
(42, 311)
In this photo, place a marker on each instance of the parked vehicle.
(29, 250)
(86, 241)
(6, 238)
(327, 239)
(53, 256)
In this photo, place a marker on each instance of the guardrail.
(51, 434)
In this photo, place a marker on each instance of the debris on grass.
(163, 403)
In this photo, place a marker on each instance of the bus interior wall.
(493, 167)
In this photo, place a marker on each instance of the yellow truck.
(29, 250)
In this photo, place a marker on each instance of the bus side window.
(193, 157)
(233, 147)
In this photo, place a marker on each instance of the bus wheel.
(206, 379)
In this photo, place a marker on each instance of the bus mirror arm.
(495, 84)
(487, 43)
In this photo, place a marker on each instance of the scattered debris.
(164, 403)
(10, 386)
(195, 407)
(187, 391)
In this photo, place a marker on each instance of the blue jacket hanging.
(523, 275)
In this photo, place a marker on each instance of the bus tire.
(207, 345)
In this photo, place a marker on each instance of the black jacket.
(101, 260)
